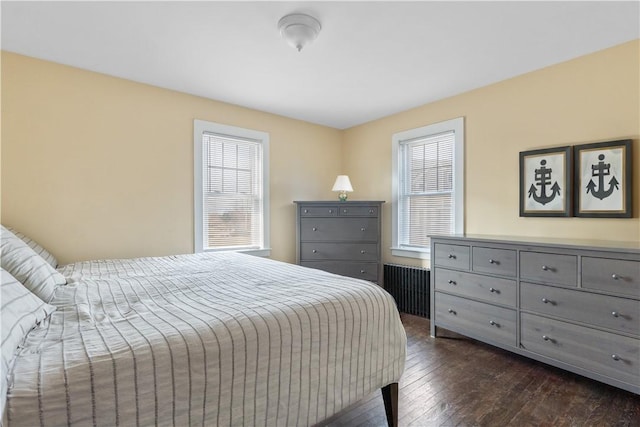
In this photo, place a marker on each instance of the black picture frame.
(602, 179)
(546, 187)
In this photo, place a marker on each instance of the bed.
(203, 339)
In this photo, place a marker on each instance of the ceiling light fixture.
(299, 29)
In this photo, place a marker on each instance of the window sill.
(263, 252)
(411, 253)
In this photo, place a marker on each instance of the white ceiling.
(371, 59)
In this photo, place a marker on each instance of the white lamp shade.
(342, 184)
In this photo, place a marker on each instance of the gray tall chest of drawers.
(571, 304)
(340, 237)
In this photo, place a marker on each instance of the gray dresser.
(571, 304)
(340, 237)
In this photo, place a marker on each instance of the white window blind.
(428, 165)
(426, 195)
(231, 182)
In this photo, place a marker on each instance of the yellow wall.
(97, 167)
(588, 99)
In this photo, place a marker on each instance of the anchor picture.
(545, 182)
(603, 179)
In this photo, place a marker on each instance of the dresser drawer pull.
(344, 210)
(330, 210)
(614, 276)
(547, 338)
(362, 272)
(306, 211)
(545, 268)
(363, 251)
(494, 290)
(615, 357)
(363, 229)
(452, 256)
(615, 314)
(452, 282)
(452, 311)
(492, 323)
(370, 211)
(547, 301)
(315, 251)
(315, 228)
(493, 261)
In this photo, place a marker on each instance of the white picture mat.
(554, 161)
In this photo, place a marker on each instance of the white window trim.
(200, 127)
(457, 126)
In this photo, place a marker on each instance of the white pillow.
(28, 267)
(21, 312)
(45, 254)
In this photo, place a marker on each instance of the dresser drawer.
(318, 211)
(339, 251)
(343, 229)
(371, 211)
(607, 354)
(619, 314)
(494, 261)
(476, 319)
(454, 256)
(359, 270)
(611, 275)
(490, 289)
(549, 268)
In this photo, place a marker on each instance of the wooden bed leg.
(390, 397)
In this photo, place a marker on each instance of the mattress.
(204, 339)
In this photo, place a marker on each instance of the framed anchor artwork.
(603, 179)
(546, 182)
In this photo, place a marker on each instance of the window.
(428, 186)
(231, 185)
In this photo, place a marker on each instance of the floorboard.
(461, 382)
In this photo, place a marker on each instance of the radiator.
(409, 286)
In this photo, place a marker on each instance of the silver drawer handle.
(492, 323)
(314, 229)
(362, 229)
(344, 211)
(614, 276)
(362, 271)
(452, 311)
(545, 268)
(452, 282)
(546, 338)
(314, 251)
(363, 251)
(615, 357)
(370, 211)
(306, 211)
(492, 261)
(615, 314)
(546, 301)
(330, 210)
(452, 256)
(492, 290)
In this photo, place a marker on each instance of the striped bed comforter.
(205, 339)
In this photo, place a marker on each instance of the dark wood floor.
(462, 382)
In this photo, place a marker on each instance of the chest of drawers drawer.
(607, 354)
(359, 270)
(609, 312)
(318, 211)
(611, 275)
(549, 268)
(310, 251)
(490, 289)
(476, 319)
(370, 211)
(345, 229)
(494, 261)
(454, 256)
